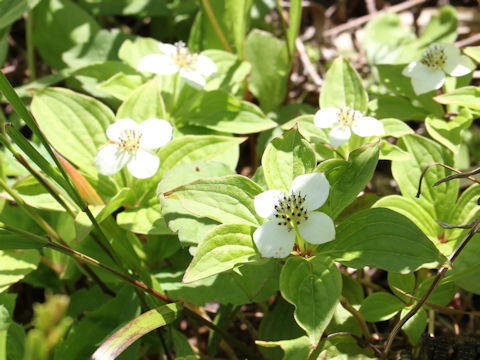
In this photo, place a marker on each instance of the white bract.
(177, 58)
(439, 59)
(291, 214)
(344, 119)
(131, 144)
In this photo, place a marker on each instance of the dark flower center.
(290, 211)
(434, 57)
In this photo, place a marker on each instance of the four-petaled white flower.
(177, 58)
(343, 120)
(292, 213)
(131, 144)
(429, 73)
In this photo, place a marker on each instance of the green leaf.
(75, 124)
(466, 269)
(121, 85)
(395, 127)
(449, 134)
(391, 76)
(443, 293)
(436, 200)
(59, 26)
(203, 35)
(465, 210)
(95, 326)
(143, 103)
(383, 239)
(385, 38)
(12, 10)
(404, 282)
(285, 158)
(238, 12)
(7, 305)
(411, 209)
(231, 71)
(269, 76)
(103, 46)
(135, 329)
(314, 286)
(133, 51)
(343, 87)
(347, 178)
(190, 148)
(295, 18)
(220, 111)
(440, 28)
(278, 323)
(468, 96)
(148, 221)
(221, 250)
(389, 151)
(227, 199)
(415, 326)
(87, 78)
(190, 229)
(253, 282)
(343, 347)
(380, 306)
(126, 7)
(15, 265)
(385, 106)
(294, 349)
(473, 52)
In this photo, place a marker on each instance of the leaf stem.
(356, 314)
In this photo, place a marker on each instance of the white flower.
(177, 58)
(131, 144)
(429, 73)
(343, 120)
(289, 214)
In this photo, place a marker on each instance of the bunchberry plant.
(164, 166)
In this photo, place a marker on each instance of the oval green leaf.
(74, 124)
(220, 250)
(343, 87)
(314, 286)
(383, 239)
(285, 158)
(226, 199)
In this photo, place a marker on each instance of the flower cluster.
(292, 215)
(438, 60)
(177, 58)
(345, 119)
(131, 144)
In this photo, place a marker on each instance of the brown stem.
(448, 178)
(356, 314)
(432, 287)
